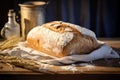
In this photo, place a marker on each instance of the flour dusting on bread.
(60, 39)
(52, 38)
(83, 30)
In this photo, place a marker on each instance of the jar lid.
(33, 4)
(11, 12)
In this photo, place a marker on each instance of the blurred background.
(100, 16)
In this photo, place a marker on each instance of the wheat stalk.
(25, 63)
(9, 43)
(17, 61)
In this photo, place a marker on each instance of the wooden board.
(99, 68)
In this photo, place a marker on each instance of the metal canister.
(32, 14)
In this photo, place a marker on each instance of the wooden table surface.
(9, 71)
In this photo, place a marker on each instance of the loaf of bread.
(61, 39)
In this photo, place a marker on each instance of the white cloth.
(22, 50)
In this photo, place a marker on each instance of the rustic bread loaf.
(60, 39)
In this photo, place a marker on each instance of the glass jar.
(11, 28)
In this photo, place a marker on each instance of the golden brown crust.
(80, 44)
(39, 47)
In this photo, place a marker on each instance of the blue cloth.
(100, 16)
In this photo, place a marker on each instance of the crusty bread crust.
(60, 39)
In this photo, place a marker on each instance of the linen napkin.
(22, 50)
